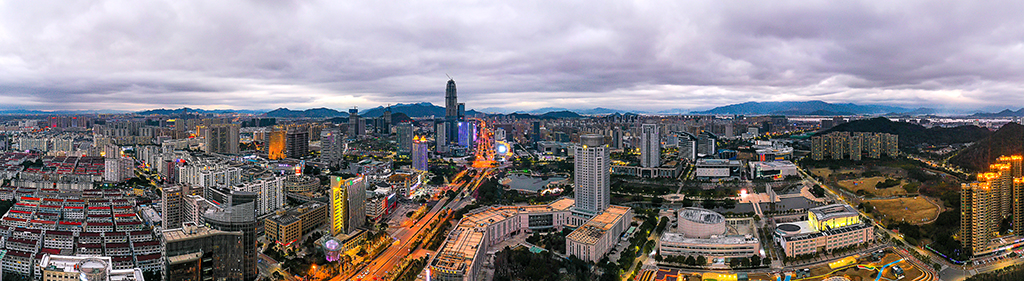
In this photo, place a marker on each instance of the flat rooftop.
(833, 211)
(598, 226)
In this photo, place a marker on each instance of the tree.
(701, 260)
(690, 260)
(658, 257)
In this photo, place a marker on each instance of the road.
(388, 260)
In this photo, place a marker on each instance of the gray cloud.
(649, 55)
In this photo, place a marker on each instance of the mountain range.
(802, 108)
(1004, 113)
(1008, 140)
(163, 111)
(415, 110)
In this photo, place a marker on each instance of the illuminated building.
(827, 227)
(347, 211)
(592, 176)
(419, 153)
(286, 227)
(221, 138)
(978, 217)
(333, 249)
(275, 144)
(650, 146)
(704, 232)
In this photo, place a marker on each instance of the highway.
(389, 260)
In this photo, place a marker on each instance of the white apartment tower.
(592, 176)
(650, 146)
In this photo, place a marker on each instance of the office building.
(287, 227)
(650, 146)
(687, 147)
(535, 133)
(441, 137)
(451, 111)
(171, 206)
(196, 252)
(617, 138)
(297, 142)
(592, 176)
(221, 138)
(405, 134)
(707, 144)
(592, 240)
(348, 204)
(355, 124)
(827, 228)
(419, 153)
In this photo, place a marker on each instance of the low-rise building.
(827, 228)
(592, 240)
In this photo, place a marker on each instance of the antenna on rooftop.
(449, 76)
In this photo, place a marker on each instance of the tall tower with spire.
(451, 110)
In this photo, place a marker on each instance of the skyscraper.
(706, 143)
(221, 138)
(348, 204)
(419, 153)
(617, 138)
(979, 216)
(171, 206)
(297, 142)
(650, 146)
(355, 126)
(405, 136)
(451, 111)
(592, 176)
(687, 147)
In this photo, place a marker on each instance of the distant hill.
(800, 108)
(912, 134)
(415, 110)
(1008, 140)
(395, 119)
(163, 111)
(1004, 113)
(560, 114)
(308, 113)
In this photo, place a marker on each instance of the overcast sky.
(642, 55)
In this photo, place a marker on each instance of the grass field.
(868, 184)
(825, 172)
(915, 210)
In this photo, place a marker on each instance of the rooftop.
(699, 215)
(833, 211)
(595, 228)
(731, 239)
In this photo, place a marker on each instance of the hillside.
(308, 113)
(163, 111)
(800, 108)
(423, 109)
(912, 134)
(1008, 140)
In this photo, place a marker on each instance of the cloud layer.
(647, 55)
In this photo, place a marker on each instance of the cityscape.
(689, 141)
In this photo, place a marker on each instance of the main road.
(389, 260)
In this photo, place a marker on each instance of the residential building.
(221, 138)
(592, 176)
(650, 146)
(171, 206)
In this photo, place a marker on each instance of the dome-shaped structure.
(700, 223)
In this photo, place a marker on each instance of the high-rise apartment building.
(348, 204)
(994, 196)
(172, 206)
(419, 153)
(616, 138)
(592, 176)
(687, 147)
(650, 146)
(221, 138)
(441, 137)
(853, 145)
(297, 142)
(332, 146)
